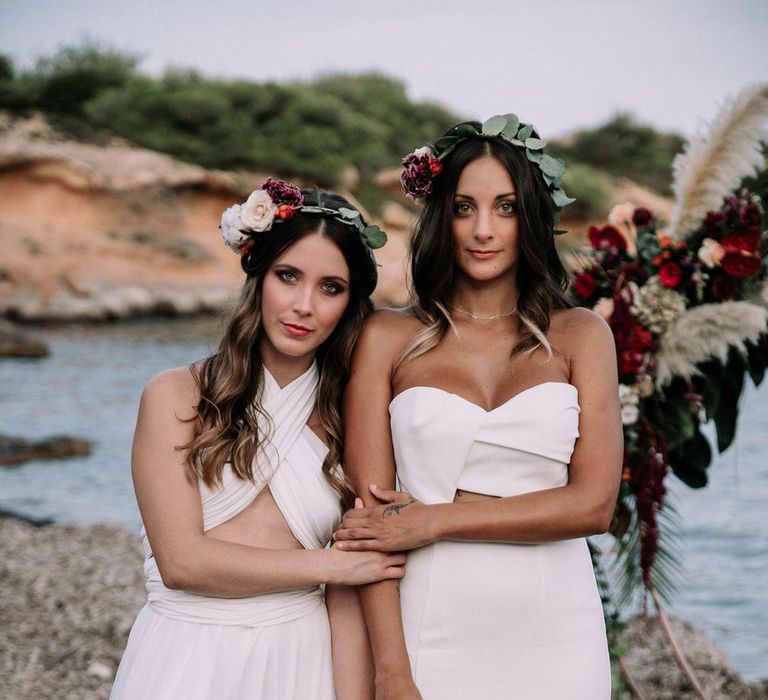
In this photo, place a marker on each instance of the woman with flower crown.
(236, 469)
(496, 405)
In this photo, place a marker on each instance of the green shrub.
(593, 190)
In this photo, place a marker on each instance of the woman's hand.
(400, 523)
(359, 568)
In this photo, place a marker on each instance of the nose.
(303, 301)
(483, 228)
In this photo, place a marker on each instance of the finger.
(359, 546)
(384, 494)
(359, 503)
(394, 572)
(396, 559)
(352, 533)
(352, 520)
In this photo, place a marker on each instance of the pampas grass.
(707, 332)
(715, 162)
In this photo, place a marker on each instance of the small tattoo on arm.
(395, 508)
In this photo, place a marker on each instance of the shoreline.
(69, 601)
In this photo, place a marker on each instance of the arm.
(352, 660)
(172, 514)
(368, 457)
(582, 507)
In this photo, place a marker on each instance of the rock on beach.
(69, 595)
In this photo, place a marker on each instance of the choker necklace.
(483, 318)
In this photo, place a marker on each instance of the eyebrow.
(500, 196)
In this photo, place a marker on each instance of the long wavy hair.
(231, 381)
(541, 276)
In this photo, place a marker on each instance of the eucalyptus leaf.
(495, 125)
(466, 130)
(535, 144)
(446, 142)
(513, 124)
(525, 133)
(561, 199)
(516, 142)
(349, 213)
(552, 166)
(374, 236)
(533, 156)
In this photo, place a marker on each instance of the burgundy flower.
(283, 192)
(712, 222)
(584, 285)
(742, 241)
(670, 274)
(741, 264)
(419, 170)
(751, 216)
(724, 288)
(607, 237)
(642, 217)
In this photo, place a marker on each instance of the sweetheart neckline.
(472, 403)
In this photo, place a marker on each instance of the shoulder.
(385, 335)
(175, 388)
(580, 327)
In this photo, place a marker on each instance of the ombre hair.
(541, 276)
(231, 381)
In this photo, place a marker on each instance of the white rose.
(621, 214)
(604, 308)
(630, 411)
(231, 226)
(258, 211)
(711, 252)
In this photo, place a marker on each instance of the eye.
(332, 288)
(286, 275)
(508, 207)
(461, 208)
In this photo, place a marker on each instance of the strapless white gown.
(270, 647)
(493, 620)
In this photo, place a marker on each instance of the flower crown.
(422, 166)
(278, 201)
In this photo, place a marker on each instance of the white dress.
(494, 620)
(275, 646)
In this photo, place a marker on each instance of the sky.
(560, 64)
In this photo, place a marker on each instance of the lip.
(483, 254)
(296, 330)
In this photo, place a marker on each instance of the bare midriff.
(260, 524)
(462, 496)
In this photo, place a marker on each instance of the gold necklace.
(483, 318)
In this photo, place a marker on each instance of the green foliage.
(592, 189)
(625, 148)
(309, 130)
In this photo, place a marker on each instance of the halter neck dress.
(272, 646)
(496, 620)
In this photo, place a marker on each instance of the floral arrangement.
(277, 201)
(688, 307)
(663, 297)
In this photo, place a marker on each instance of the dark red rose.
(285, 212)
(584, 285)
(283, 192)
(751, 216)
(712, 222)
(607, 237)
(419, 170)
(741, 264)
(724, 288)
(742, 241)
(642, 217)
(670, 274)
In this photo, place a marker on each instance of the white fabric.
(273, 646)
(496, 620)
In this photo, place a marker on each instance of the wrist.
(439, 521)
